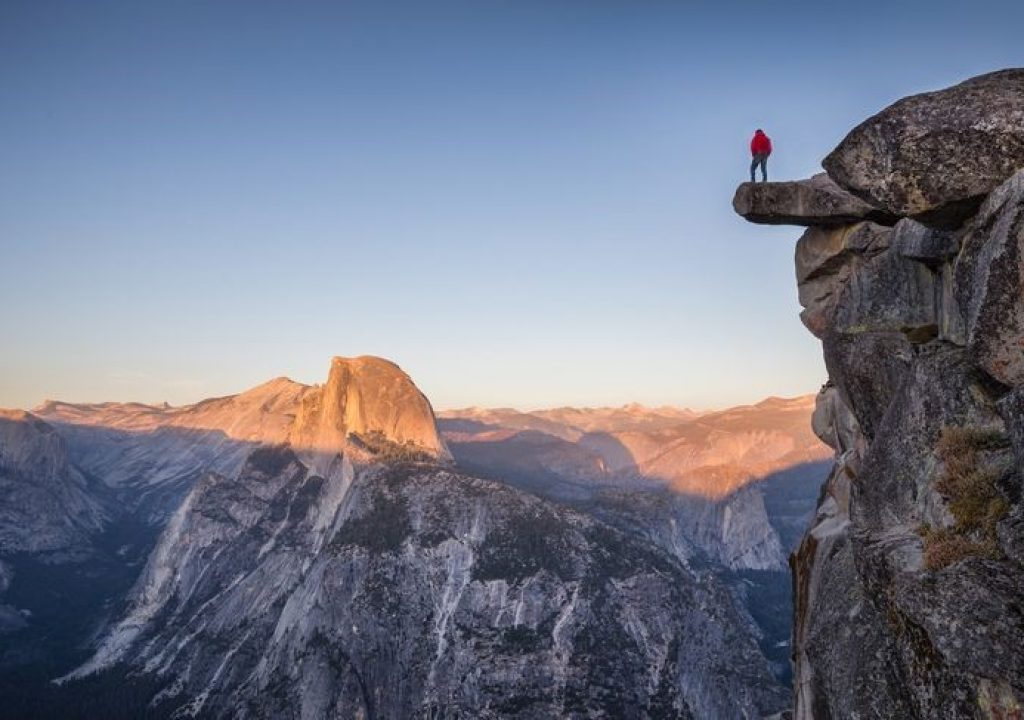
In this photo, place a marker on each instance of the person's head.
(759, 131)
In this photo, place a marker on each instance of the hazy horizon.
(522, 204)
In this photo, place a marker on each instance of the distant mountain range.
(710, 454)
(571, 423)
(333, 551)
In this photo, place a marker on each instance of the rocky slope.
(408, 590)
(48, 508)
(909, 584)
(61, 560)
(570, 423)
(708, 454)
(150, 456)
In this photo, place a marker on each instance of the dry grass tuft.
(945, 546)
(969, 486)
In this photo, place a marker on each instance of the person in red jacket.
(760, 149)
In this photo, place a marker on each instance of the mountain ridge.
(272, 412)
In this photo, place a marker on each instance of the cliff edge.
(909, 584)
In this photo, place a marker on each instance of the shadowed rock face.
(45, 502)
(990, 283)
(409, 590)
(817, 201)
(934, 156)
(909, 584)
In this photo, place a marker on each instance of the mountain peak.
(366, 396)
(364, 361)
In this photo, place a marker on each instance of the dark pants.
(762, 160)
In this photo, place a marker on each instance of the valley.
(335, 548)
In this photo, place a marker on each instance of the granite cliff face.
(366, 397)
(909, 584)
(409, 590)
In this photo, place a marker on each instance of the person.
(760, 149)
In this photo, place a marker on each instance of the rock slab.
(815, 201)
(934, 156)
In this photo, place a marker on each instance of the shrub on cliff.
(968, 483)
(387, 450)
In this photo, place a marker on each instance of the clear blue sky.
(522, 203)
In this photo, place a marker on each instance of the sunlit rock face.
(265, 413)
(366, 396)
(909, 583)
(362, 396)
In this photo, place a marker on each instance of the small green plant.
(968, 483)
(389, 451)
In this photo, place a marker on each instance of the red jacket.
(761, 143)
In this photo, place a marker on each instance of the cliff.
(911, 272)
(366, 399)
